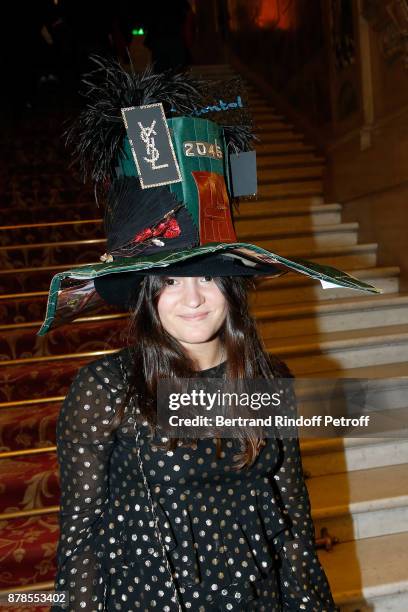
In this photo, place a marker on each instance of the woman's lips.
(196, 317)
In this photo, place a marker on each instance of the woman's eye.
(173, 281)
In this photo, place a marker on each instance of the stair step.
(48, 253)
(292, 289)
(259, 106)
(288, 160)
(338, 256)
(376, 576)
(30, 279)
(96, 333)
(288, 190)
(32, 233)
(290, 202)
(17, 309)
(23, 554)
(25, 154)
(263, 112)
(29, 425)
(384, 400)
(40, 377)
(31, 482)
(37, 214)
(332, 315)
(270, 136)
(322, 457)
(273, 126)
(255, 96)
(322, 214)
(45, 197)
(278, 175)
(37, 182)
(275, 148)
(59, 173)
(361, 504)
(323, 352)
(377, 371)
(249, 222)
(305, 238)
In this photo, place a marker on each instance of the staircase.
(358, 487)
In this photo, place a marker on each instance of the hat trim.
(314, 270)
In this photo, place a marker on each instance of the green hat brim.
(248, 253)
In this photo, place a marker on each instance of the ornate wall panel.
(390, 19)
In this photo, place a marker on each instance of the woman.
(225, 512)
(146, 522)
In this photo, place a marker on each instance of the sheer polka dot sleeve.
(84, 442)
(304, 583)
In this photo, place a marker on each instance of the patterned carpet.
(41, 198)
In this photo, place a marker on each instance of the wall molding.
(380, 123)
(389, 18)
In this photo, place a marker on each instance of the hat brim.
(121, 289)
(116, 281)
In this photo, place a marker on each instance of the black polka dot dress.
(145, 529)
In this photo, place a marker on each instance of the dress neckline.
(213, 370)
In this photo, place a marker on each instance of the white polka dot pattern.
(228, 540)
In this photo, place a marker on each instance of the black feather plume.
(97, 136)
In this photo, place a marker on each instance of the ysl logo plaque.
(151, 145)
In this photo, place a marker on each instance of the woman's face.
(192, 309)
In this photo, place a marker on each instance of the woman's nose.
(192, 294)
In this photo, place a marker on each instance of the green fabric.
(185, 129)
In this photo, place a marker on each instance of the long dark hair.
(156, 354)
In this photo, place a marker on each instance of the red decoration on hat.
(165, 229)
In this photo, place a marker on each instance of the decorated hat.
(170, 157)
